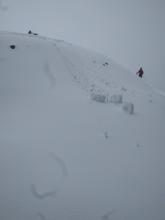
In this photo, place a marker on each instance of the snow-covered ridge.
(102, 78)
(94, 72)
(80, 136)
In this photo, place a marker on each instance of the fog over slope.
(80, 136)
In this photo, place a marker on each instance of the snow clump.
(103, 98)
(128, 107)
(116, 99)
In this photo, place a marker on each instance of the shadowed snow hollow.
(80, 136)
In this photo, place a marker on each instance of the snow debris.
(92, 87)
(103, 98)
(108, 215)
(107, 83)
(123, 89)
(41, 216)
(105, 64)
(139, 145)
(128, 107)
(106, 135)
(116, 99)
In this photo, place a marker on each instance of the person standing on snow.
(140, 72)
(30, 32)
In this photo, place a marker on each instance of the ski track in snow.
(156, 90)
(108, 215)
(160, 92)
(74, 72)
(95, 92)
(43, 195)
(80, 78)
(41, 216)
(61, 164)
(49, 75)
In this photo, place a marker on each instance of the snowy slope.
(80, 136)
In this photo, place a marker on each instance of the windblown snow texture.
(80, 136)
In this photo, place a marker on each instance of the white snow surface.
(67, 156)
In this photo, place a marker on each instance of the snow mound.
(128, 107)
(106, 98)
(116, 99)
(102, 98)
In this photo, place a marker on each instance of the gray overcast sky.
(132, 32)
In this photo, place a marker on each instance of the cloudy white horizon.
(131, 32)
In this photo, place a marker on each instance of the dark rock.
(12, 46)
(30, 32)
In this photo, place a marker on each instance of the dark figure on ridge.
(140, 72)
(30, 32)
